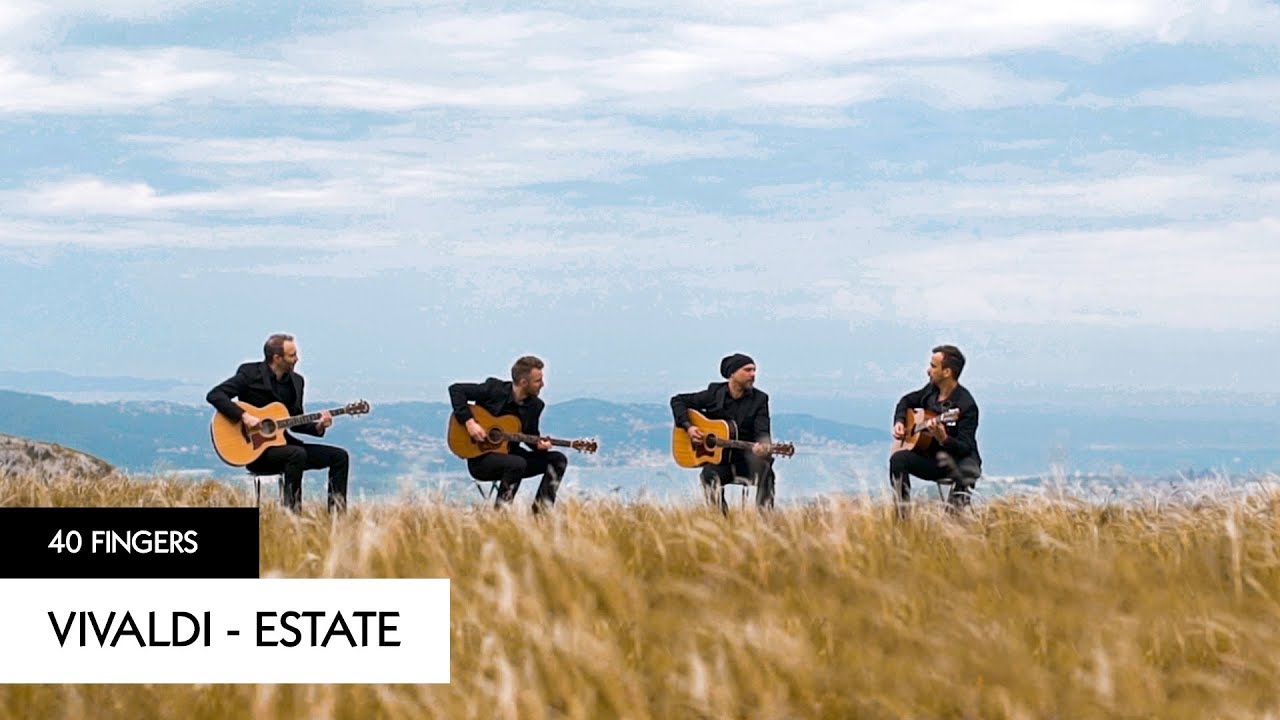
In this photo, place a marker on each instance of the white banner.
(225, 631)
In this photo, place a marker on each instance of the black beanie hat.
(733, 363)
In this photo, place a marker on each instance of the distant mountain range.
(47, 381)
(395, 439)
(403, 442)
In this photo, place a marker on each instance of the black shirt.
(962, 435)
(283, 389)
(497, 397)
(749, 412)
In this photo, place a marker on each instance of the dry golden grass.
(1025, 608)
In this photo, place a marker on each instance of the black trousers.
(742, 463)
(293, 459)
(508, 469)
(962, 473)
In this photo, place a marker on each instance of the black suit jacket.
(496, 396)
(252, 384)
(750, 412)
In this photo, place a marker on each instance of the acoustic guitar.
(499, 431)
(917, 437)
(239, 446)
(721, 435)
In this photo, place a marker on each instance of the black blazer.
(252, 384)
(750, 413)
(495, 396)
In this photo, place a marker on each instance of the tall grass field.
(1023, 607)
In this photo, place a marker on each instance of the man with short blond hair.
(518, 397)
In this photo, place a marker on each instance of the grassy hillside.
(1023, 609)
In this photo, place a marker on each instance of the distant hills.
(393, 440)
(47, 381)
(402, 443)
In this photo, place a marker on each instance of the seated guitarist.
(957, 455)
(520, 398)
(737, 400)
(273, 380)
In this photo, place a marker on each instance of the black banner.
(217, 542)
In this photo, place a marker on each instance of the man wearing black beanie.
(736, 399)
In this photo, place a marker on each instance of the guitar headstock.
(949, 416)
(359, 407)
(586, 446)
(783, 449)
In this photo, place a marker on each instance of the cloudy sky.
(1082, 195)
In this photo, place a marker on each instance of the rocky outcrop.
(20, 456)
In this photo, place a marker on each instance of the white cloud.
(488, 104)
(43, 236)
(836, 91)
(119, 9)
(1111, 187)
(1184, 277)
(976, 87)
(432, 158)
(385, 95)
(96, 197)
(657, 61)
(15, 14)
(108, 80)
(39, 25)
(1253, 98)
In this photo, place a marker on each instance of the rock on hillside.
(21, 456)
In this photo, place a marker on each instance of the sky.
(1083, 196)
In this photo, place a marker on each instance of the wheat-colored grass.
(1024, 608)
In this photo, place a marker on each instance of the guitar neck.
(306, 419)
(534, 439)
(735, 444)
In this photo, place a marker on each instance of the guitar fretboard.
(308, 418)
(534, 439)
(735, 444)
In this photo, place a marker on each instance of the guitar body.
(461, 444)
(919, 441)
(683, 450)
(239, 447)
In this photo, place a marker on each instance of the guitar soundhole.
(268, 427)
(495, 436)
(708, 445)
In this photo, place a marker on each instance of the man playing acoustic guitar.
(273, 380)
(737, 400)
(520, 398)
(950, 449)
